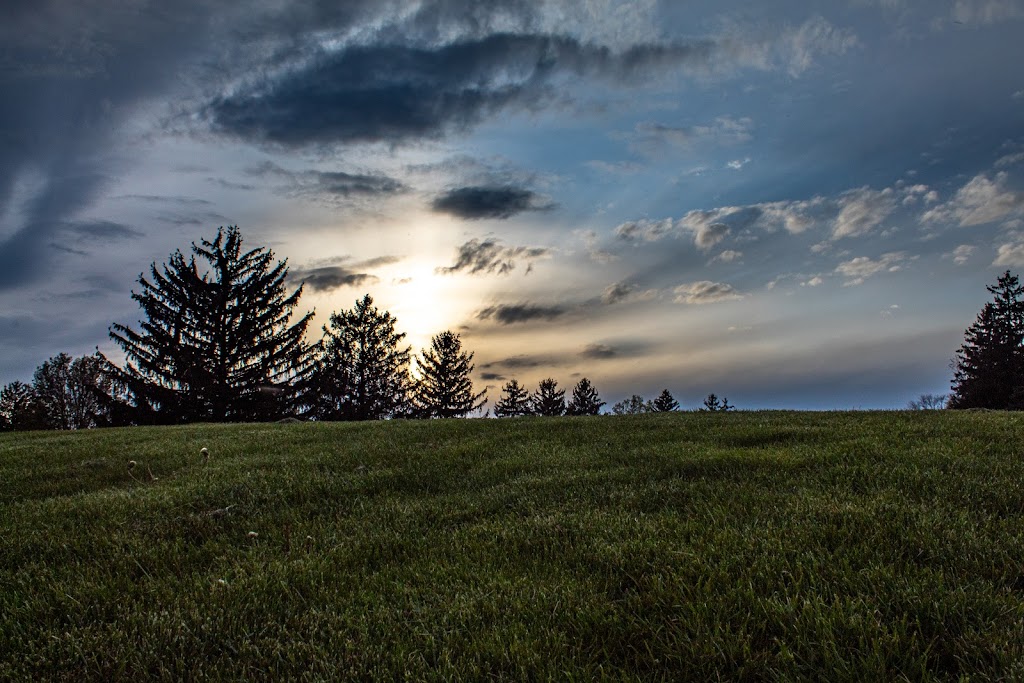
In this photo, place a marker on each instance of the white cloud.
(962, 254)
(1011, 254)
(737, 164)
(728, 256)
(981, 200)
(705, 292)
(859, 269)
(645, 229)
(862, 210)
(802, 45)
(813, 282)
(1010, 160)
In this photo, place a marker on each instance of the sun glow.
(426, 303)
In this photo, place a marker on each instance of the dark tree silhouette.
(444, 388)
(69, 391)
(216, 345)
(989, 366)
(548, 400)
(634, 405)
(361, 371)
(20, 408)
(665, 403)
(714, 405)
(928, 402)
(585, 399)
(514, 402)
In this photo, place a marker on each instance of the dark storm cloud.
(330, 274)
(474, 203)
(69, 73)
(396, 92)
(491, 376)
(521, 362)
(326, 278)
(598, 352)
(510, 314)
(476, 257)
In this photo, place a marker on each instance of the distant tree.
(69, 391)
(712, 404)
(989, 366)
(514, 402)
(20, 408)
(585, 399)
(361, 370)
(216, 345)
(928, 402)
(548, 400)
(444, 388)
(634, 405)
(665, 403)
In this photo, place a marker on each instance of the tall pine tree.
(989, 366)
(444, 388)
(548, 400)
(217, 343)
(362, 371)
(665, 403)
(585, 399)
(515, 402)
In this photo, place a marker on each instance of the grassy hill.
(743, 546)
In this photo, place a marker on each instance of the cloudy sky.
(792, 204)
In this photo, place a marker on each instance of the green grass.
(698, 546)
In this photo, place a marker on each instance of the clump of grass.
(743, 546)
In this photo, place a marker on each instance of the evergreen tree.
(515, 402)
(361, 372)
(585, 399)
(548, 400)
(714, 405)
(989, 366)
(216, 345)
(20, 408)
(444, 388)
(665, 403)
(69, 391)
(634, 405)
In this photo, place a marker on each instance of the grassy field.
(695, 546)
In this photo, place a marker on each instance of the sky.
(790, 204)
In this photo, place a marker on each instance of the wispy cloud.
(477, 257)
(858, 270)
(705, 292)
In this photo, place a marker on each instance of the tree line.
(218, 343)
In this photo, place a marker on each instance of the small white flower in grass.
(205, 453)
(253, 535)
